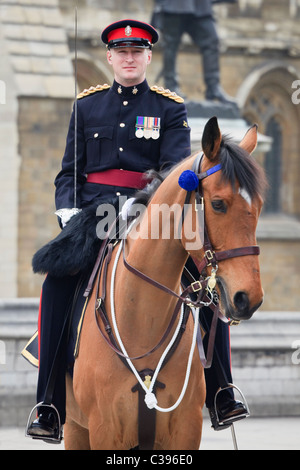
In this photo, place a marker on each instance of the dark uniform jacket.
(107, 122)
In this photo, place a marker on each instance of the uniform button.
(96, 135)
(121, 149)
(125, 103)
(118, 194)
(122, 124)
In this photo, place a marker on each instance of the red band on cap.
(135, 33)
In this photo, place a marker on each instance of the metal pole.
(234, 437)
(75, 115)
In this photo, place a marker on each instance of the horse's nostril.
(241, 301)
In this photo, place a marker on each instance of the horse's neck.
(147, 307)
(160, 257)
(161, 260)
(155, 248)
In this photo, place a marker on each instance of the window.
(273, 166)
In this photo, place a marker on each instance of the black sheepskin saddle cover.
(74, 249)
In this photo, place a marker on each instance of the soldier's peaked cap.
(129, 33)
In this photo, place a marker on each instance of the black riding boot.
(57, 296)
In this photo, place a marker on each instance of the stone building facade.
(260, 66)
(38, 74)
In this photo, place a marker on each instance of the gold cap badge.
(128, 31)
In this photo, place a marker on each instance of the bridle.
(212, 257)
(203, 288)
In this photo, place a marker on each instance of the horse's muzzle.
(240, 308)
(241, 302)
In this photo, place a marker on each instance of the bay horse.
(102, 410)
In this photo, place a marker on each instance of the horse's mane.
(156, 177)
(237, 164)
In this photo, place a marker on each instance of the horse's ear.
(211, 139)
(249, 141)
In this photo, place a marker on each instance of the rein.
(150, 398)
(204, 287)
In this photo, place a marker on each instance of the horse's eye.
(219, 206)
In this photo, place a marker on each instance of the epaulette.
(93, 89)
(169, 94)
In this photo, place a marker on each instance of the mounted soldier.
(108, 127)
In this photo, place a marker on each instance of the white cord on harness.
(189, 365)
(150, 398)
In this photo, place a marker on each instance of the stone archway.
(266, 98)
(91, 73)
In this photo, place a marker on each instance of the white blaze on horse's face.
(245, 195)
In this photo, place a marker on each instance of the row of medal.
(147, 127)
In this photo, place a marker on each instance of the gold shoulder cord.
(92, 89)
(169, 94)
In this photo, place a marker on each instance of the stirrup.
(57, 438)
(225, 423)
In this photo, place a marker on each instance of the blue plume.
(188, 180)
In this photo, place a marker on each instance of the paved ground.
(252, 434)
(255, 434)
